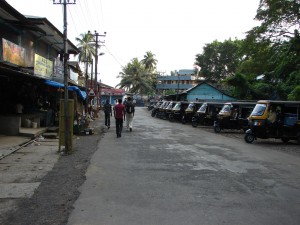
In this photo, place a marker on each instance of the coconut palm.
(149, 61)
(86, 45)
(134, 78)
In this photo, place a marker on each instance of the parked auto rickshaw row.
(262, 119)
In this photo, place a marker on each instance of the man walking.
(119, 113)
(129, 108)
(107, 113)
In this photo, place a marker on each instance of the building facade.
(178, 82)
(204, 91)
(31, 71)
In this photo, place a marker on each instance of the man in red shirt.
(119, 113)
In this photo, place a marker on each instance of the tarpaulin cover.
(81, 93)
(52, 83)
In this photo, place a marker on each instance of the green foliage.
(266, 64)
(139, 77)
(277, 18)
(295, 94)
(240, 87)
(219, 59)
(170, 92)
(86, 46)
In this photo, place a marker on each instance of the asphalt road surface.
(167, 173)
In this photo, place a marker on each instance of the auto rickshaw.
(190, 112)
(155, 108)
(274, 119)
(161, 109)
(207, 113)
(234, 116)
(168, 110)
(151, 105)
(178, 111)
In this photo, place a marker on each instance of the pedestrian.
(107, 113)
(119, 113)
(129, 109)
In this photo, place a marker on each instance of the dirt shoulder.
(53, 200)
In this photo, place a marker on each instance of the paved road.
(166, 173)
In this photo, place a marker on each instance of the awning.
(81, 93)
(52, 83)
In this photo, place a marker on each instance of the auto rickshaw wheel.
(285, 139)
(194, 124)
(217, 129)
(249, 138)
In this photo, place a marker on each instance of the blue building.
(204, 91)
(179, 81)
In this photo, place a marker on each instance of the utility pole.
(86, 86)
(66, 57)
(96, 35)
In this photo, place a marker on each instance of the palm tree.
(149, 61)
(86, 45)
(150, 64)
(134, 78)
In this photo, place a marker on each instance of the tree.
(149, 61)
(274, 49)
(219, 59)
(134, 78)
(279, 19)
(87, 48)
(295, 94)
(240, 87)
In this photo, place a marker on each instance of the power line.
(113, 56)
(73, 24)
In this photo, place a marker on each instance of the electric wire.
(115, 58)
(74, 23)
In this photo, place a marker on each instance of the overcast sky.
(174, 30)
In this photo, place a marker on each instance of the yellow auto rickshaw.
(234, 116)
(274, 119)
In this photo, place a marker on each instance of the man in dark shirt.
(119, 113)
(107, 113)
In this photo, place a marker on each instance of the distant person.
(119, 113)
(129, 109)
(107, 113)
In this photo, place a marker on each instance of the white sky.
(174, 30)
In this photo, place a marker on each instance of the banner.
(13, 53)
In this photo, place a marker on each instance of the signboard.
(13, 53)
(42, 67)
